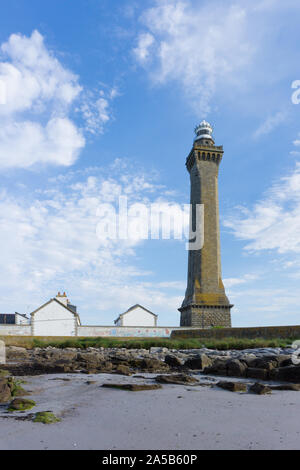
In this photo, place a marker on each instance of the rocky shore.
(179, 367)
(274, 364)
(100, 398)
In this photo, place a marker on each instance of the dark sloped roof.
(7, 319)
(73, 308)
(22, 315)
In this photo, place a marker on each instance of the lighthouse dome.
(204, 131)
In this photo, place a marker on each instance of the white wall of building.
(54, 319)
(20, 320)
(137, 317)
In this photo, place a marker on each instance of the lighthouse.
(205, 304)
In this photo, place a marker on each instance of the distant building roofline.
(60, 303)
(133, 308)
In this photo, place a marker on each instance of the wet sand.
(175, 417)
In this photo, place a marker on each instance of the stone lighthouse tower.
(205, 304)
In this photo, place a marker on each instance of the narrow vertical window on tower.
(205, 304)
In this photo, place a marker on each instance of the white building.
(55, 318)
(137, 316)
(13, 319)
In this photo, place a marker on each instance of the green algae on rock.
(21, 404)
(45, 417)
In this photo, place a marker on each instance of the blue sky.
(101, 101)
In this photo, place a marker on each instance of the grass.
(146, 343)
(194, 343)
(4, 373)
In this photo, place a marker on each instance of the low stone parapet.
(266, 332)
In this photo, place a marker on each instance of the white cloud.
(33, 76)
(36, 125)
(271, 123)
(96, 109)
(142, 51)
(232, 282)
(262, 305)
(200, 46)
(49, 243)
(274, 222)
(23, 144)
(214, 48)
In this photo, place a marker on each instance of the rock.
(58, 367)
(267, 363)
(178, 379)
(91, 358)
(16, 349)
(155, 350)
(90, 371)
(58, 355)
(119, 358)
(173, 361)
(235, 368)
(122, 370)
(133, 387)
(95, 368)
(247, 359)
(70, 355)
(45, 417)
(153, 365)
(198, 362)
(15, 352)
(232, 386)
(218, 367)
(284, 360)
(21, 404)
(16, 389)
(5, 392)
(105, 366)
(63, 362)
(286, 374)
(253, 373)
(293, 387)
(260, 389)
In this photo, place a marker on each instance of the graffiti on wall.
(125, 331)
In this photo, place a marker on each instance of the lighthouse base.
(205, 316)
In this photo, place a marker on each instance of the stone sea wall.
(266, 332)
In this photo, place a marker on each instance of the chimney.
(62, 298)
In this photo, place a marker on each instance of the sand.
(173, 418)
